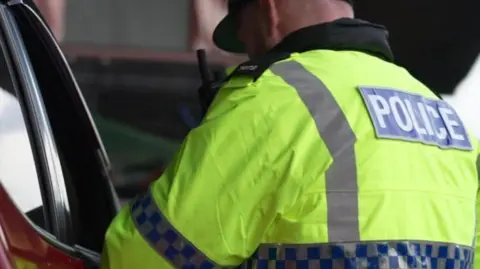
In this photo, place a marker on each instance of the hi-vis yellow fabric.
(319, 163)
(477, 241)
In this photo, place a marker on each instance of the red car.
(56, 199)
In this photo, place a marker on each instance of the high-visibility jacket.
(322, 158)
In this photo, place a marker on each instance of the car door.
(33, 209)
(77, 199)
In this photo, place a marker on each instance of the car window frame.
(45, 153)
(87, 163)
(50, 175)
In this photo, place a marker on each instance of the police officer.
(319, 152)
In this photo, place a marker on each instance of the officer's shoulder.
(255, 67)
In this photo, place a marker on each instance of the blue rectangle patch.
(411, 117)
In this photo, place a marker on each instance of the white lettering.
(396, 103)
(380, 107)
(412, 113)
(414, 118)
(450, 123)
(441, 132)
(426, 119)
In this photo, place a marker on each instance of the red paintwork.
(22, 241)
(6, 261)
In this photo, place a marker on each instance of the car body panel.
(26, 247)
(6, 261)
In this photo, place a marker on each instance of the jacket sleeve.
(220, 196)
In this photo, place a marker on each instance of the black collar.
(341, 34)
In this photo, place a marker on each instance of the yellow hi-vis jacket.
(327, 159)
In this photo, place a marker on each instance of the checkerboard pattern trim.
(170, 244)
(164, 238)
(384, 255)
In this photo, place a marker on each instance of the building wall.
(154, 24)
(206, 14)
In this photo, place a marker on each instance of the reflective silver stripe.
(385, 255)
(164, 238)
(333, 127)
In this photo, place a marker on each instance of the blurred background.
(136, 65)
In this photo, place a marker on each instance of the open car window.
(142, 109)
(18, 171)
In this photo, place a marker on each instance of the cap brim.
(225, 36)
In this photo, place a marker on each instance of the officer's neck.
(326, 11)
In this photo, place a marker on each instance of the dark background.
(436, 40)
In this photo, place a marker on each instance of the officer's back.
(396, 150)
(319, 152)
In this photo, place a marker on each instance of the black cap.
(225, 34)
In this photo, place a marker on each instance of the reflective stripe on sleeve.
(338, 136)
(164, 238)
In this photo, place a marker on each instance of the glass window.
(17, 166)
(142, 111)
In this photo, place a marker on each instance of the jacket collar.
(341, 34)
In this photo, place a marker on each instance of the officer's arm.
(223, 191)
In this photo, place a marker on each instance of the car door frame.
(81, 150)
(46, 153)
(46, 157)
(50, 176)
